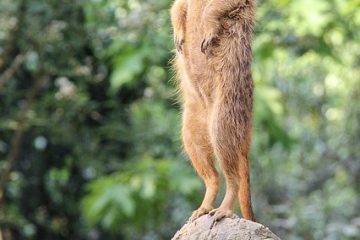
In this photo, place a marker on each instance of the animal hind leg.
(227, 137)
(197, 145)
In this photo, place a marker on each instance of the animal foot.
(220, 213)
(199, 212)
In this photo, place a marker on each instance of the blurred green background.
(90, 144)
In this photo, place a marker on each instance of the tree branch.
(16, 146)
(9, 73)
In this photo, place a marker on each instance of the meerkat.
(213, 64)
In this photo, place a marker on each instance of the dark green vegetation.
(89, 130)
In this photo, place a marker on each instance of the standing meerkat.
(213, 63)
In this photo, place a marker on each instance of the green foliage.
(136, 194)
(101, 155)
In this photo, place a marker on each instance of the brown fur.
(213, 63)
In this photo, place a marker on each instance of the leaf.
(107, 201)
(126, 67)
(122, 196)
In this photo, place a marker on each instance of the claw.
(205, 44)
(178, 44)
(199, 212)
(220, 213)
(207, 41)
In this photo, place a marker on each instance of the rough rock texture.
(227, 229)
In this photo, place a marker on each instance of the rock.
(204, 228)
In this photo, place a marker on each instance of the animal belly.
(199, 73)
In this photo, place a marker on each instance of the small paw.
(210, 37)
(199, 212)
(220, 213)
(207, 41)
(179, 41)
